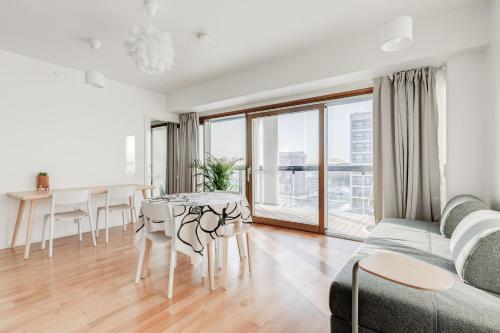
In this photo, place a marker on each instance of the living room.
(278, 166)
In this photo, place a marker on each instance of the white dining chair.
(235, 229)
(75, 205)
(219, 255)
(154, 212)
(121, 199)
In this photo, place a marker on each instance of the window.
(226, 137)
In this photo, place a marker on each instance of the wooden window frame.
(318, 102)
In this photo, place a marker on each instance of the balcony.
(349, 188)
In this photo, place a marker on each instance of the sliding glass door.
(350, 164)
(285, 167)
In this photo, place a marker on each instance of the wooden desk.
(33, 196)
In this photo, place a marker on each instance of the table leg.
(211, 264)
(19, 221)
(354, 320)
(147, 257)
(28, 230)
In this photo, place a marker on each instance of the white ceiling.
(244, 33)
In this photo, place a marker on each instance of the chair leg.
(211, 264)
(97, 223)
(123, 221)
(241, 250)
(140, 261)
(147, 256)
(106, 224)
(225, 269)
(248, 252)
(204, 266)
(92, 233)
(51, 236)
(79, 229)
(218, 253)
(171, 269)
(44, 232)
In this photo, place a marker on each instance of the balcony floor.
(343, 224)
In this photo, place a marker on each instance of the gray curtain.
(172, 157)
(188, 151)
(405, 137)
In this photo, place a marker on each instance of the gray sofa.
(387, 307)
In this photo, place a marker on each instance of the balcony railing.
(349, 186)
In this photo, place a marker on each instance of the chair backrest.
(155, 212)
(70, 197)
(121, 192)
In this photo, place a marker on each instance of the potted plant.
(215, 173)
(42, 181)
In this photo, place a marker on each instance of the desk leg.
(354, 320)
(211, 264)
(147, 257)
(28, 230)
(19, 221)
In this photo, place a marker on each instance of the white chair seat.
(120, 207)
(71, 215)
(233, 229)
(159, 237)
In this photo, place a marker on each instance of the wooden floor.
(87, 289)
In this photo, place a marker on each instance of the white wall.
(494, 102)
(351, 59)
(468, 138)
(51, 121)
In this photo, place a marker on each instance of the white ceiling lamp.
(397, 34)
(151, 7)
(153, 52)
(204, 38)
(92, 77)
(94, 44)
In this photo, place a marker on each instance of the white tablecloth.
(199, 218)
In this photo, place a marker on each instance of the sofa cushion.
(475, 248)
(456, 209)
(389, 307)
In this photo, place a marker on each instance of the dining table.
(200, 218)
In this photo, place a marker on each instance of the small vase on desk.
(42, 181)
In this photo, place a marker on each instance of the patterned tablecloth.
(199, 218)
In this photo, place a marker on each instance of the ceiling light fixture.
(151, 6)
(204, 38)
(94, 78)
(153, 52)
(94, 44)
(397, 34)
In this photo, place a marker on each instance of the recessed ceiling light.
(204, 38)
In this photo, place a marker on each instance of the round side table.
(400, 269)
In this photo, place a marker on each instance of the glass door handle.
(249, 172)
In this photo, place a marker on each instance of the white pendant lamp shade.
(397, 34)
(94, 78)
(153, 52)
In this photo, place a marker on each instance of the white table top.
(407, 271)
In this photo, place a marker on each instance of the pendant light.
(397, 34)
